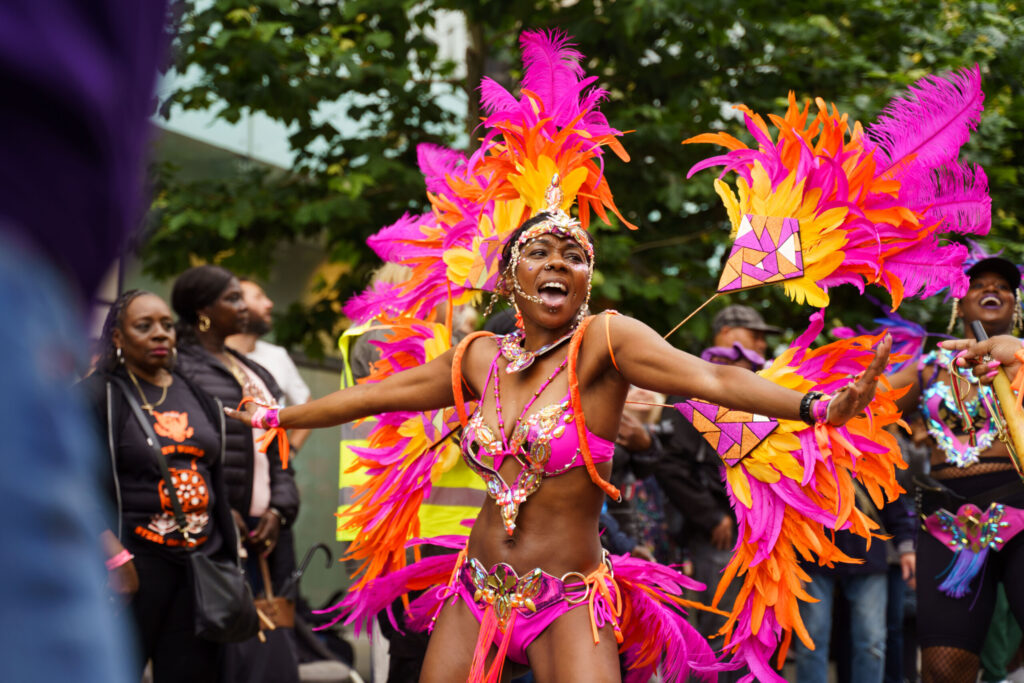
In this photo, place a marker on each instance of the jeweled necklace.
(146, 405)
(958, 453)
(518, 358)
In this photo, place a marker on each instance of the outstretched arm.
(427, 387)
(648, 361)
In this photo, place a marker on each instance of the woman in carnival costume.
(550, 395)
(549, 401)
(973, 505)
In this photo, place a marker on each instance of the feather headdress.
(871, 204)
(554, 130)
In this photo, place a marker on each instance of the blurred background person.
(274, 358)
(261, 489)
(640, 516)
(691, 475)
(80, 80)
(737, 324)
(864, 587)
(146, 550)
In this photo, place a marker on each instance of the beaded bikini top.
(942, 418)
(546, 444)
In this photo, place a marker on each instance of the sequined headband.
(559, 224)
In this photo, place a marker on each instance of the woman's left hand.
(263, 538)
(851, 401)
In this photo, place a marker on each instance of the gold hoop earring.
(953, 315)
(174, 356)
(204, 322)
(1017, 322)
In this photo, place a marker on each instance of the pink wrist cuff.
(272, 418)
(820, 409)
(119, 560)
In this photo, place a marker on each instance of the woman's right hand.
(1001, 349)
(245, 414)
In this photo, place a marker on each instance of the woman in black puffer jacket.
(262, 493)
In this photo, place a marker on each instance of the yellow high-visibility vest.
(455, 497)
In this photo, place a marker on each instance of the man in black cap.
(743, 325)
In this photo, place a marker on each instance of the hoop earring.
(1017, 322)
(174, 356)
(953, 316)
(204, 322)
(119, 355)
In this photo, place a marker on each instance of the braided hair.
(107, 360)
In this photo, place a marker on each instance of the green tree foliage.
(672, 68)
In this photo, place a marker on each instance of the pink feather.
(927, 268)
(494, 98)
(954, 195)
(552, 71)
(928, 125)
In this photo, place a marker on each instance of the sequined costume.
(641, 601)
(972, 522)
(546, 444)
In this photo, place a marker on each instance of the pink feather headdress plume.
(871, 205)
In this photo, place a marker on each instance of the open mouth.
(553, 293)
(990, 301)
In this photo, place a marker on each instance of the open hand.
(851, 401)
(245, 414)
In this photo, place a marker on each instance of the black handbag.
(224, 607)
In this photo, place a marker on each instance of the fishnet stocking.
(948, 665)
(981, 467)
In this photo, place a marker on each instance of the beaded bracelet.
(119, 560)
(805, 406)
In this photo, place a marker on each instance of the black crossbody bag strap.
(147, 429)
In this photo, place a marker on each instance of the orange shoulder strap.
(457, 381)
(577, 409)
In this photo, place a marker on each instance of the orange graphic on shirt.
(191, 488)
(173, 425)
(194, 495)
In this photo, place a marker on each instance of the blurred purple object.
(724, 355)
(77, 78)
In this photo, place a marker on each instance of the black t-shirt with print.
(190, 444)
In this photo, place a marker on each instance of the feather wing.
(790, 490)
